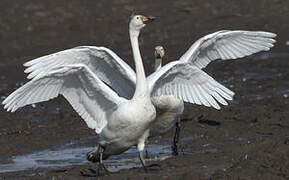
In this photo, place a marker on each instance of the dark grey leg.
(147, 154)
(101, 164)
(176, 138)
(96, 156)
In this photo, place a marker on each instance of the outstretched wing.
(87, 94)
(188, 83)
(103, 62)
(227, 45)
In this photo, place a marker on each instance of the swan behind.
(169, 108)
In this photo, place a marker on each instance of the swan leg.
(142, 160)
(95, 156)
(92, 156)
(101, 166)
(147, 154)
(176, 138)
(141, 147)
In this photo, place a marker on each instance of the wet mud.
(249, 139)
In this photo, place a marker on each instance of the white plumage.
(114, 100)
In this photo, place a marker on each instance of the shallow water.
(67, 155)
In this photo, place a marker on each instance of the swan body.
(131, 120)
(169, 108)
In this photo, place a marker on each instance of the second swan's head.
(137, 22)
(159, 52)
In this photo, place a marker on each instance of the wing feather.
(211, 100)
(89, 96)
(194, 96)
(108, 67)
(204, 94)
(227, 45)
(190, 84)
(184, 93)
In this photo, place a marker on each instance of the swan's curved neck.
(158, 63)
(141, 84)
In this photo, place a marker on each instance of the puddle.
(68, 155)
(47, 159)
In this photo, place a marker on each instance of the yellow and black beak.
(146, 20)
(159, 54)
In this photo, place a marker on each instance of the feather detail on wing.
(190, 84)
(227, 45)
(108, 67)
(89, 96)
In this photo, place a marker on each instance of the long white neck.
(141, 84)
(158, 63)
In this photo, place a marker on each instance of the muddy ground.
(249, 139)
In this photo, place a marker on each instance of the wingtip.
(27, 70)
(27, 64)
(273, 41)
(8, 109)
(30, 76)
(273, 35)
(4, 102)
(269, 34)
(14, 109)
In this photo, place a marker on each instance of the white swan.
(169, 108)
(120, 122)
(81, 70)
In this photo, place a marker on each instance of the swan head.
(137, 22)
(159, 52)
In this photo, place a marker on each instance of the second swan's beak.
(161, 53)
(146, 20)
